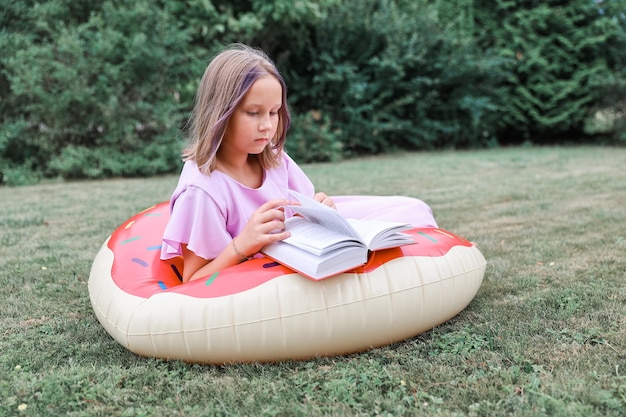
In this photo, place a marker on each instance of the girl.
(235, 180)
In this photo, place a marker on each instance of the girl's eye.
(255, 113)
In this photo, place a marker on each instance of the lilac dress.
(207, 211)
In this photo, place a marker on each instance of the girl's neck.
(248, 171)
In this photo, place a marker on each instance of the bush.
(390, 75)
(98, 88)
(94, 89)
(86, 87)
(311, 139)
(565, 58)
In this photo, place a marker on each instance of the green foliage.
(97, 89)
(311, 139)
(270, 25)
(82, 92)
(155, 157)
(101, 88)
(564, 60)
(390, 75)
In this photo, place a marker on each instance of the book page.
(316, 267)
(316, 238)
(323, 215)
(379, 234)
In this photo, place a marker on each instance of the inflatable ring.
(260, 311)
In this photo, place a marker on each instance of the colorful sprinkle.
(162, 285)
(130, 223)
(270, 265)
(177, 272)
(210, 280)
(156, 247)
(123, 242)
(432, 239)
(149, 208)
(444, 233)
(140, 262)
(152, 214)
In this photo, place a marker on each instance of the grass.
(546, 334)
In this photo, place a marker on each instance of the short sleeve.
(195, 220)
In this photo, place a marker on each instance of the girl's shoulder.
(191, 177)
(285, 159)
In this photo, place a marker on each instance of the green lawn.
(546, 334)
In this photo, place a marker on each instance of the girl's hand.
(324, 199)
(266, 225)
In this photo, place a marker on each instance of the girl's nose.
(266, 123)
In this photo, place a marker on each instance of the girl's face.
(254, 122)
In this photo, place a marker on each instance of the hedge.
(92, 89)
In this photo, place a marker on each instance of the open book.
(324, 243)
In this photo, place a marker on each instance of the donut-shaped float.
(260, 311)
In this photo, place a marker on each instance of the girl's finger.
(273, 204)
(272, 227)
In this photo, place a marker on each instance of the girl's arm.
(196, 267)
(266, 225)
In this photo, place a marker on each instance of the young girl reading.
(236, 177)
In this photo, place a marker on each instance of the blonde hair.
(225, 82)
